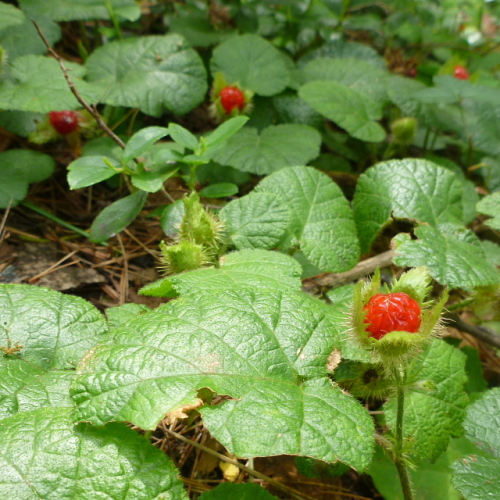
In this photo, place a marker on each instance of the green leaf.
(490, 205)
(322, 220)
(183, 136)
(197, 28)
(141, 141)
(54, 329)
(405, 189)
(22, 40)
(224, 131)
(44, 455)
(18, 169)
(477, 477)
(26, 387)
(219, 190)
(117, 216)
(275, 147)
(482, 423)
(403, 92)
(10, 16)
(434, 402)
(251, 268)
(171, 218)
(253, 63)
(20, 123)
(39, 85)
(120, 315)
(89, 170)
(152, 73)
(258, 220)
(348, 108)
(429, 480)
(358, 75)
(340, 49)
(152, 181)
(292, 109)
(454, 256)
(73, 10)
(266, 349)
(246, 491)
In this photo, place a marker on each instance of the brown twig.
(91, 109)
(363, 268)
(4, 220)
(479, 332)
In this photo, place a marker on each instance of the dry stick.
(91, 109)
(124, 276)
(332, 280)
(296, 494)
(479, 332)
(4, 220)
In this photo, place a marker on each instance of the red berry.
(64, 122)
(392, 312)
(230, 98)
(460, 72)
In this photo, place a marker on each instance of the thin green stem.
(114, 19)
(59, 221)
(399, 461)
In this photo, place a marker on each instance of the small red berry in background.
(392, 312)
(460, 72)
(64, 122)
(230, 98)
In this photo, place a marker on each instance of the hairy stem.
(399, 461)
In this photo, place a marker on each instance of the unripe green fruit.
(403, 130)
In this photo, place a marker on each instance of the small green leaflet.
(89, 170)
(117, 216)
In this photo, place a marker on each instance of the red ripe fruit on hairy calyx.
(64, 122)
(230, 98)
(389, 312)
(460, 72)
